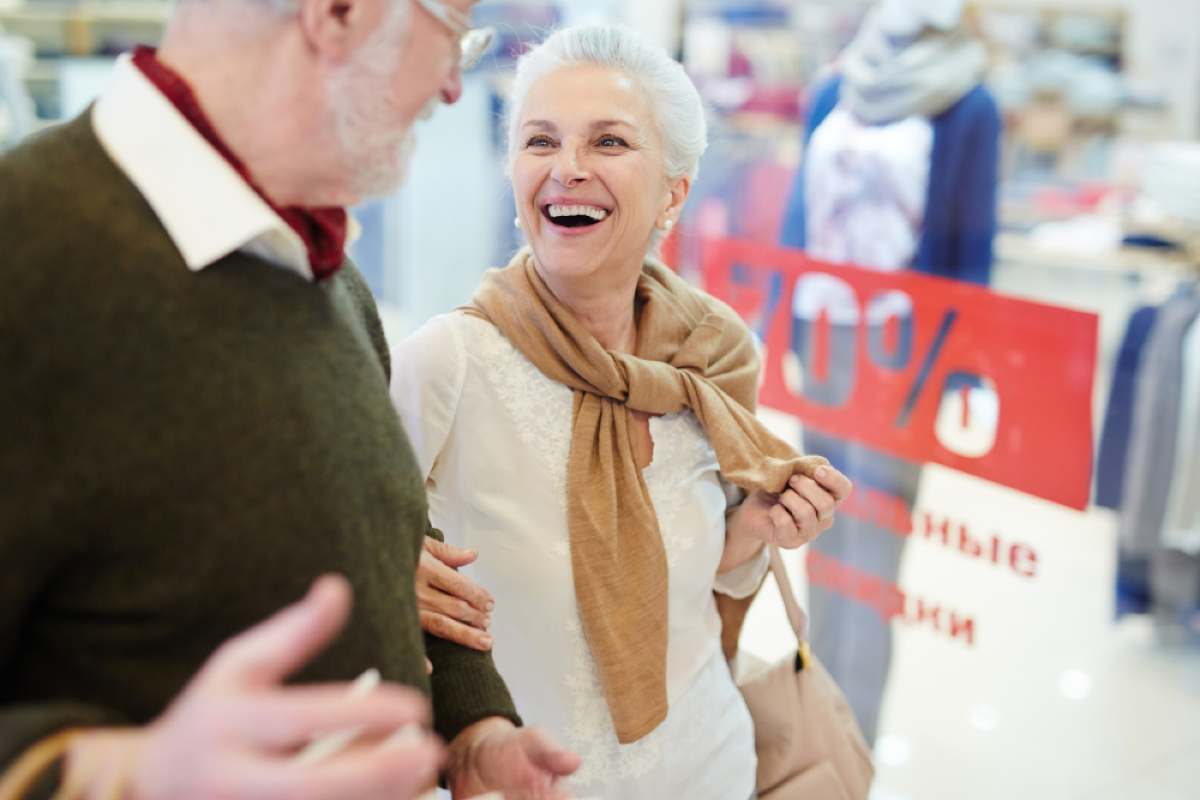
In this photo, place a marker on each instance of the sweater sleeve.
(42, 524)
(466, 686)
(793, 231)
(975, 208)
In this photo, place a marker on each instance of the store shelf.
(1018, 248)
(85, 28)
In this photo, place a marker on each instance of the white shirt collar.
(201, 201)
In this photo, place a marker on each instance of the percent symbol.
(931, 357)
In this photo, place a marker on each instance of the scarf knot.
(652, 387)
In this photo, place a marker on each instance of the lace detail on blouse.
(693, 718)
(542, 412)
(540, 408)
(680, 451)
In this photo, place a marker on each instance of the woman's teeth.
(575, 216)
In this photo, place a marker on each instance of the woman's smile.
(574, 218)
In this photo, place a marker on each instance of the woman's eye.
(611, 141)
(539, 141)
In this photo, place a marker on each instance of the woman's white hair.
(678, 110)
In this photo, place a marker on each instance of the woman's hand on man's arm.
(451, 605)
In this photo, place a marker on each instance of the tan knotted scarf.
(692, 352)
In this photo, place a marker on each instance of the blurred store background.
(1043, 647)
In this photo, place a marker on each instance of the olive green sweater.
(181, 454)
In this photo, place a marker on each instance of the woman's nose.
(568, 168)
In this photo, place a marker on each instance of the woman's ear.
(335, 28)
(679, 190)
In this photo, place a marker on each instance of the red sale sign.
(927, 369)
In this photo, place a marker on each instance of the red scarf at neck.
(323, 230)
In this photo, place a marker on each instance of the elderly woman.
(586, 426)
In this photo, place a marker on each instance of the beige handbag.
(808, 743)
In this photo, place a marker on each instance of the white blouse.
(492, 436)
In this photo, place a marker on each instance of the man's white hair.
(284, 7)
(678, 110)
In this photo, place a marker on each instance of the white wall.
(658, 19)
(442, 227)
(1164, 50)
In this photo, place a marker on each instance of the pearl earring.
(666, 226)
(517, 223)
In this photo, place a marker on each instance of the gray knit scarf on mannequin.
(886, 79)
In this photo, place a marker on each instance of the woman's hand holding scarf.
(800, 513)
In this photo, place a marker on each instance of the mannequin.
(899, 172)
(913, 63)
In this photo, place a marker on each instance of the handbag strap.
(795, 613)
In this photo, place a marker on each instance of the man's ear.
(335, 28)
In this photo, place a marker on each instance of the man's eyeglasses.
(472, 42)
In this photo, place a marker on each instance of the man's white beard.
(377, 155)
(380, 167)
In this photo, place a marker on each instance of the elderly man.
(198, 426)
